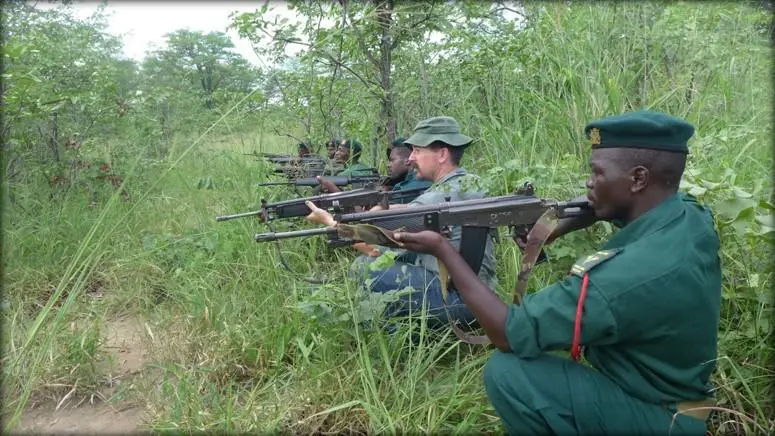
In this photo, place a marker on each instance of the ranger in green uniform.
(349, 153)
(401, 171)
(649, 301)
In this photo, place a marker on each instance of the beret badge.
(594, 135)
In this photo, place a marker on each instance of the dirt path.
(125, 341)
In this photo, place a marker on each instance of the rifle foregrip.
(265, 237)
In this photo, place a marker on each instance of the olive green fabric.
(357, 169)
(552, 395)
(443, 129)
(644, 129)
(651, 315)
(399, 142)
(458, 185)
(410, 182)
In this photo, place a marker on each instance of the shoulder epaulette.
(583, 266)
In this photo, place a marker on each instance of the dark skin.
(615, 192)
(342, 154)
(331, 148)
(398, 163)
(398, 168)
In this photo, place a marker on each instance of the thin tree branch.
(399, 37)
(360, 40)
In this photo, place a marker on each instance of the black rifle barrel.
(295, 201)
(296, 207)
(313, 181)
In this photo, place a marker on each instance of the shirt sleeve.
(545, 320)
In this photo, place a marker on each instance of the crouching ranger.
(437, 148)
(643, 311)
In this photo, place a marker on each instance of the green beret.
(442, 129)
(400, 141)
(353, 145)
(644, 129)
(303, 146)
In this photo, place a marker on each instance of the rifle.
(268, 155)
(337, 202)
(473, 215)
(306, 160)
(338, 181)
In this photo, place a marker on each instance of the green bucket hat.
(442, 129)
(643, 129)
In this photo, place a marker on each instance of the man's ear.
(444, 155)
(639, 178)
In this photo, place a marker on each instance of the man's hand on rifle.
(327, 185)
(319, 216)
(426, 241)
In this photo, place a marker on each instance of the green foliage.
(243, 345)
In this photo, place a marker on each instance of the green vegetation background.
(118, 218)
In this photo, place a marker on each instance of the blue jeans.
(426, 285)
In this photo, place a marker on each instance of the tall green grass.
(239, 344)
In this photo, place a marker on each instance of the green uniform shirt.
(651, 315)
(458, 185)
(411, 182)
(355, 170)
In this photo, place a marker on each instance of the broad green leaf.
(732, 208)
(766, 220)
(740, 193)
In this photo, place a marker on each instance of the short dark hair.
(403, 149)
(455, 153)
(666, 167)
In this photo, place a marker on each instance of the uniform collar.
(648, 223)
(454, 173)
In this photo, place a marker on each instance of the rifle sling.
(535, 241)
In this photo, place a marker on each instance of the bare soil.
(125, 341)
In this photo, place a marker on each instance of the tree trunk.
(387, 107)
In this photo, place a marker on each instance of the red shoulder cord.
(575, 351)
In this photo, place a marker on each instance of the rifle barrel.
(237, 215)
(273, 236)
